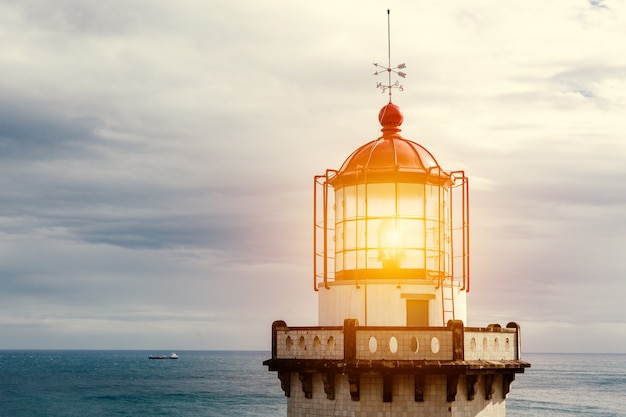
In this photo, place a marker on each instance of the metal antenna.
(380, 69)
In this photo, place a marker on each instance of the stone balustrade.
(492, 343)
(309, 342)
(351, 341)
(392, 343)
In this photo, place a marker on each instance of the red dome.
(390, 157)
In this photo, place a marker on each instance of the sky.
(157, 158)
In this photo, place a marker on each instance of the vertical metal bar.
(326, 231)
(424, 221)
(464, 219)
(451, 230)
(466, 237)
(440, 230)
(315, 183)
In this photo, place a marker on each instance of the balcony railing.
(368, 343)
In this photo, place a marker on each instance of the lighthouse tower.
(391, 269)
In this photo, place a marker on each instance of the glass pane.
(411, 200)
(350, 260)
(381, 199)
(373, 261)
(373, 231)
(349, 235)
(433, 202)
(361, 203)
(339, 237)
(360, 259)
(412, 259)
(339, 205)
(391, 240)
(360, 233)
(339, 261)
(414, 231)
(349, 200)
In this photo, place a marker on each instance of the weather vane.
(388, 69)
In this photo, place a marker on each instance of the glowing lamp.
(387, 213)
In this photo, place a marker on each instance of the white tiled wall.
(403, 402)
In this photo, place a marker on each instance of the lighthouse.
(391, 258)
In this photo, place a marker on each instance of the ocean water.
(567, 385)
(126, 383)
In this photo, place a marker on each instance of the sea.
(90, 383)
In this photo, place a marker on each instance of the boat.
(172, 356)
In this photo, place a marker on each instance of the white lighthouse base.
(396, 371)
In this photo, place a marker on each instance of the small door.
(417, 312)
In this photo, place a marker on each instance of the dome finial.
(390, 118)
(388, 69)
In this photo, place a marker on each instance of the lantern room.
(391, 215)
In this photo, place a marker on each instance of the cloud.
(31, 130)
(79, 18)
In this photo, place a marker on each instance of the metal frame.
(322, 225)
